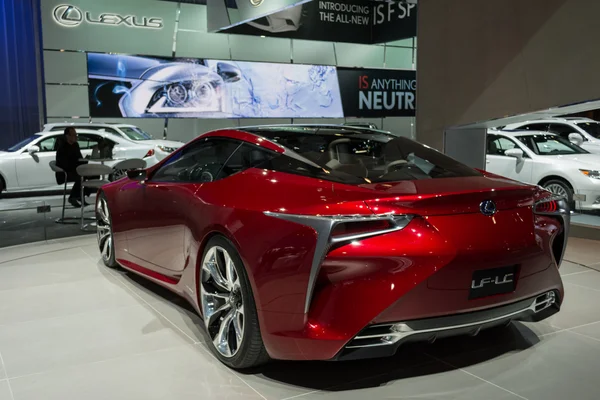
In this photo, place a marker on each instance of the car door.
(33, 169)
(157, 222)
(499, 163)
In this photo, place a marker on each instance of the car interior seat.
(341, 158)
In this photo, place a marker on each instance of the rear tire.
(104, 233)
(561, 188)
(228, 307)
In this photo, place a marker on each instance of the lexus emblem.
(68, 15)
(256, 3)
(487, 207)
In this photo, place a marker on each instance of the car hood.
(591, 160)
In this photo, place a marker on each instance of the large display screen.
(151, 87)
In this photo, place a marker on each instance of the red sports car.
(334, 242)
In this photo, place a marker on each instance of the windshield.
(22, 144)
(550, 145)
(592, 128)
(356, 156)
(134, 133)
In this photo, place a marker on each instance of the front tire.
(104, 233)
(228, 307)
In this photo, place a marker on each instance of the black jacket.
(67, 158)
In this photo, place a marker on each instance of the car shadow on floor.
(411, 360)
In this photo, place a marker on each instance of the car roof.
(90, 131)
(268, 131)
(90, 124)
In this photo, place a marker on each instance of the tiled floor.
(72, 329)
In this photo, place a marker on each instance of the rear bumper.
(383, 340)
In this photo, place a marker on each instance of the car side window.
(497, 145)
(48, 144)
(201, 162)
(245, 157)
(88, 141)
(562, 130)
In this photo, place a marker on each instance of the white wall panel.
(399, 57)
(359, 55)
(376, 121)
(153, 126)
(311, 52)
(188, 129)
(65, 67)
(67, 101)
(264, 121)
(192, 17)
(202, 45)
(400, 126)
(255, 48)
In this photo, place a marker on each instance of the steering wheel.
(204, 173)
(393, 164)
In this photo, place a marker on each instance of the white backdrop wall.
(184, 34)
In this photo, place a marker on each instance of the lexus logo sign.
(67, 15)
(71, 16)
(256, 3)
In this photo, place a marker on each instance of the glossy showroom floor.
(72, 329)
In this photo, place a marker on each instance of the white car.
(26, 165)
(162, 148)
(584, 132)
(547, 160)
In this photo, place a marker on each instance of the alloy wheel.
(222, 301)
(104, 231)
(557, 189)
(118, 174)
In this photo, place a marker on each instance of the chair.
(91, 171)
(120, 168)
(62, 219)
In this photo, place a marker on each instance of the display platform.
(72, 329)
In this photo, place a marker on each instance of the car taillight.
(150, 153)
(546, 207)
(552, 205)
(360, 228)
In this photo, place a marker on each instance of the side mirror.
(576, 138)
(137, 175)
(33, 149)
(516, 153)
(228, 72)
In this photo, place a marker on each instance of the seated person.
(68, 156)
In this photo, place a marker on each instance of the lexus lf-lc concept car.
(334, 242)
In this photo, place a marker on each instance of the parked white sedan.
(547, 160)
(162, 148)
(26, 165)
(584, 132)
